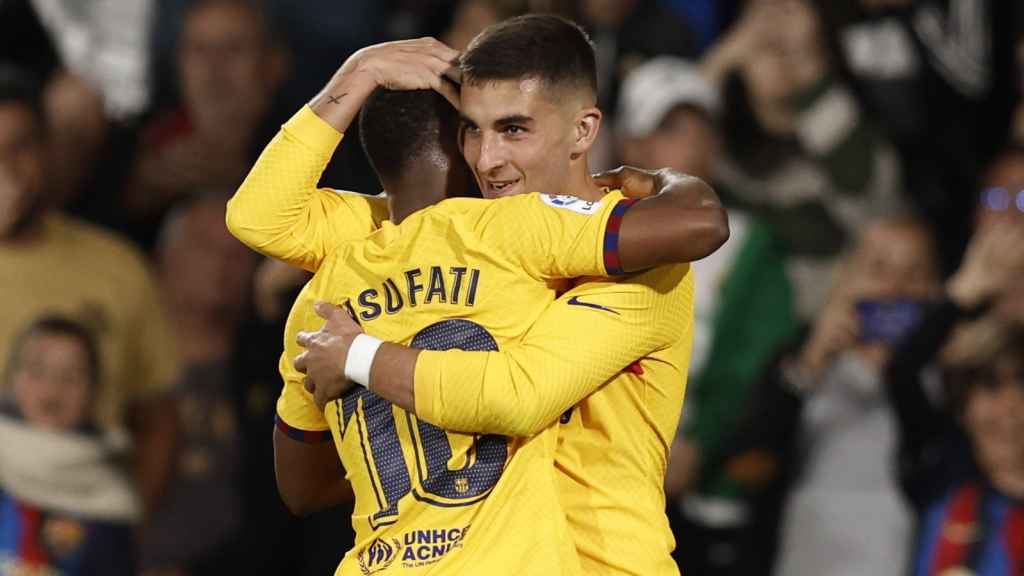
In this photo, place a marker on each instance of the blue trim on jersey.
(305, 436)
(993, 557)
(10, 526)
(931, 531)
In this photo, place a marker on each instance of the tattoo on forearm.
(336, 99)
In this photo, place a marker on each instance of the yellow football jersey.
(470, 274)
(613, 446)
(279, 211)
(613, 451)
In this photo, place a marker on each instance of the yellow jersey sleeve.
(555, 237)
(586, 337)
(279, 211)
(297, 413)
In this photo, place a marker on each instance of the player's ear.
(587, 123)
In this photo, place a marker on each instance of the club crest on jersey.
(572, 203)
(379, 555)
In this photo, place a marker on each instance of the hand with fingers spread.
(323, 361)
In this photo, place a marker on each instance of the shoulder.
(370, 202)
(103, 249)
(90, 238)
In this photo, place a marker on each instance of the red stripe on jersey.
(612, 263)
(30, 549)
(959, 529)
(1015, 539)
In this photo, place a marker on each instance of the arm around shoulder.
(683, 223)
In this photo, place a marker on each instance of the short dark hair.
(550, 48)
(18, 86)
(397, 127)
(64, 326)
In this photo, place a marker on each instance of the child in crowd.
(66, 505)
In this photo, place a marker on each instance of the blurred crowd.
(855, 402)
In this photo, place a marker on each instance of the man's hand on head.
(326, 351)
(419, 64)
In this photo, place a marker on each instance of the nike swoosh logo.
(575, 301)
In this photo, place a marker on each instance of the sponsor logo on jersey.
(425, 547)
(379, 555)
(572, 203)
(575, 301)
(415, 548)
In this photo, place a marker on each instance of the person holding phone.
(819, 437)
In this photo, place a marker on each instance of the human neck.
(580, 184)
(415, 192)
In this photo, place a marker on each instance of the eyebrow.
(513, 119)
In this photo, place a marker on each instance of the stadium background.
(813, 119)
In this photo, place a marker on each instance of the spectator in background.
(962, 454)
(972, 498)
(52, 263)
(78, 129)
(625, 33)
(229, 70)
(66, 504)
(820, 435)
(206, 276)
(668, 116)
(798, 151)
(222, 512)
(105, 44)
(917, 64)
(90, 148)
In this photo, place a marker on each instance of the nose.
(492, 154)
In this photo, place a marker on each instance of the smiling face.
(516, 138)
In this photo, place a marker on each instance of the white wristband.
(360, 358)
